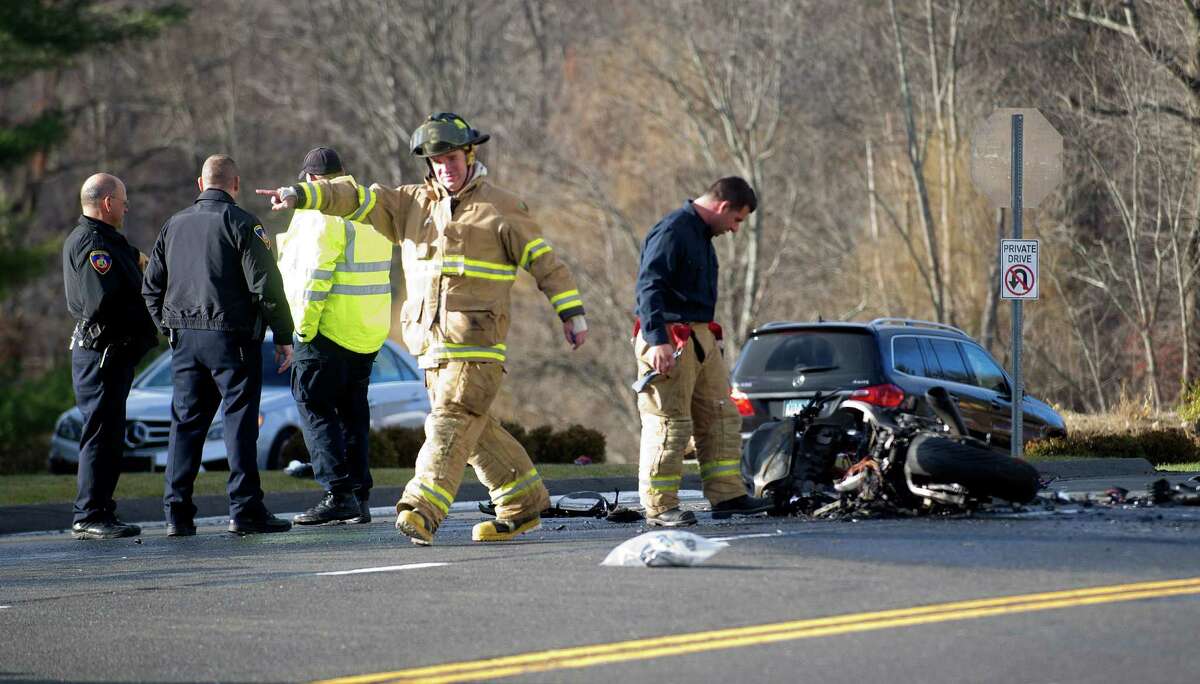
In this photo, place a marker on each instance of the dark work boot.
(673, 517)
(332, 508)
(261, 524)
(105, 528)
(182, 528)
(742, 505)
(364, 514)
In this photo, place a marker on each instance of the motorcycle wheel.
(983, 472)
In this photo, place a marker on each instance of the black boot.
(671, 518)
(264, 523)
(332, 508)
(742, 505)
(364, 514)
(106, 528)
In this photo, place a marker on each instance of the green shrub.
(1160, 446)
(1189, 403)
(398, 447)
(27, 412)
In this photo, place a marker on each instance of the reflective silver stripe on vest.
(321, 274)
(317, 295)
(351, 266)
(350, 235)
(341, 289)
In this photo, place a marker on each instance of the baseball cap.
(321, 161)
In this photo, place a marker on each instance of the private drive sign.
(1019, 269)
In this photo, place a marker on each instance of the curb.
(149, 512)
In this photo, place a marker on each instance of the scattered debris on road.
(661, 549)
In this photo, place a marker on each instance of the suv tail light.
(742, 402)
(887, 396)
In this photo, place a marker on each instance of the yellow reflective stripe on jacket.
(366, 202)
(464, 352)
(456, 264)
(532, 251)
(312, 196)
(512, 491)
(663, 483)
(722, 468)
(566, 300)
(436, 495)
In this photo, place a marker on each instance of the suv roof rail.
(916, 323)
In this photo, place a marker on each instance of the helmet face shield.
(443, 133)
(434, 148)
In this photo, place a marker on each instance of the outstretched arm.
(385, 209)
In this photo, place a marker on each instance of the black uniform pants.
(329, 383)
(100, 394)
(214, 369)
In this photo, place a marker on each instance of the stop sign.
(991, 157)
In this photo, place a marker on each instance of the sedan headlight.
(70, 428)
(217, 431)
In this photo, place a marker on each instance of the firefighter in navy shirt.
(685, 387)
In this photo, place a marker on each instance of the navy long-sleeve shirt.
(677, 276)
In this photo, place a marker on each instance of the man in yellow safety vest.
(336, 277)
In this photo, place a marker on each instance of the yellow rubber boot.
(413, 525)
(502, 529)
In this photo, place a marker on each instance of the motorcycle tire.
(983, 472)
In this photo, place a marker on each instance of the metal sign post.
(1011, 176)
(1018, 420)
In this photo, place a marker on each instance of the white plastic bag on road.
(669, 547)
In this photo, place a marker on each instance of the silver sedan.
(397, 397)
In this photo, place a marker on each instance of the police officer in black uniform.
(209, 286)
(113, 330)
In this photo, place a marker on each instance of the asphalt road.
(220, 608)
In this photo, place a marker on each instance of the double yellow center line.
(696, 642)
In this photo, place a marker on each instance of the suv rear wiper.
(813, 369)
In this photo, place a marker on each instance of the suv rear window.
(829, 359)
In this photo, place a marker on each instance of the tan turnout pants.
(693, 400)
(458, 431)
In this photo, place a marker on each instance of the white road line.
(3, 607)
(385, 568)
(776, 533)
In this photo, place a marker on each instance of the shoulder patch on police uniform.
(262, 235)
(100, 260)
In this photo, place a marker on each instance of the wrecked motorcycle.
(841, 455)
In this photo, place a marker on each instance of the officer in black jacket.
(210, 283)
(102, 278)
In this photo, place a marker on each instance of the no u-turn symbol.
(1019, 269)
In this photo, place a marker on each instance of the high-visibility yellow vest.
(336, 274)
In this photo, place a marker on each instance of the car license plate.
(793, 406)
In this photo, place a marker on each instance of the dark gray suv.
(888, 362)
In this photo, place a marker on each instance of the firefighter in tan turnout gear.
(684, 385)
(462, 242)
